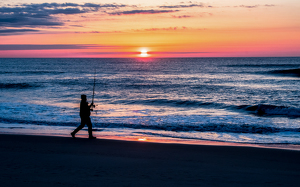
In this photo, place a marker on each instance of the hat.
(83, 96)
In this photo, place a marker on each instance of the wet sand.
(63, 161)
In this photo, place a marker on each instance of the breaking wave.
(209, 127)
(272, 110)
(172, 103)
(262, 65)
(291, 72)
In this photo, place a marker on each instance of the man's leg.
(90, 128)
(78, 128)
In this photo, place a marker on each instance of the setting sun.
(144, 53)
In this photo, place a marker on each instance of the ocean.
(235, 100)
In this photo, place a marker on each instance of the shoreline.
(54, 131)
(29, 160)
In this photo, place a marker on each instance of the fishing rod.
(94, 89)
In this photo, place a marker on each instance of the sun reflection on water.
(142, 139)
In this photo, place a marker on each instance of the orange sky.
(116, 29)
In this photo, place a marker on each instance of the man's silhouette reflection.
(85, 112)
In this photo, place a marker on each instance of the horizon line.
(157, 57)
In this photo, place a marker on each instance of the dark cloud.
(45, 47)
(35, 15)
(16, 31)
(142, 12)
(21, 20)
(45, 14)
(48, 14)
(70, 5)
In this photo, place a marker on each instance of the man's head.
(83, 97)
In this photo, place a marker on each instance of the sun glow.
(142, 139)
(144, 53)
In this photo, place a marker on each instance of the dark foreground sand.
(58, 161)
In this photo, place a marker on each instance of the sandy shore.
(59, 161)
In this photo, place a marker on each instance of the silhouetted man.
(85, 112)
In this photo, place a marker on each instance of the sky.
(143, 28)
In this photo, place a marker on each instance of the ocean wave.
(272, 110)
(292, 72)
(32, 72)
(17, 85)
(152, 85)
(220, 128)
(32, 122)
(209, 127)
(167, 102)
(262, 65)
(261, 109)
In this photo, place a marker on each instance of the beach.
(63, 161)
(143, 93)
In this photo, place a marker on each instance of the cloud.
(183, 6)
(48, 47)
(16, 31)
(163, 29)
(54, 6)
(90, 5)
(47, 14)
(27, 17)
(21, 20)
(200, 14)
(36, 15)
(269, 5)
(183, 16)
(110, 53)
(255, 6)
(100, 32)
(142, 12)
(176, 53)
(244, 6)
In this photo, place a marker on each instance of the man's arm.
(91, 106)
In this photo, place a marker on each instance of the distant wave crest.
(17, 85)
(261, 65)
(272, 110)
(167, 102)
(32, 72)
(292, 72)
